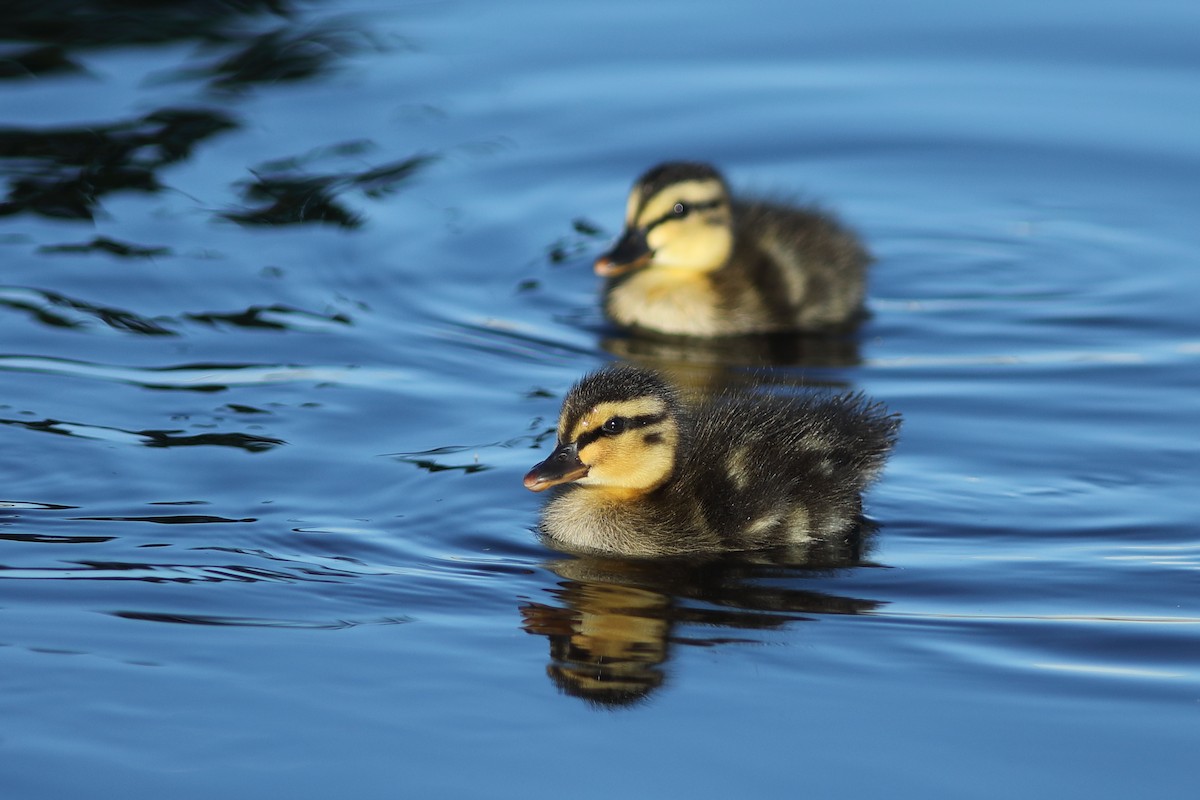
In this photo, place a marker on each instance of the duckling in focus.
(650, 476)
(694, 261)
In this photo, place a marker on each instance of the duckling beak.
(631, 252)
(561, 466)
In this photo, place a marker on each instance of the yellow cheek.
(595, 453)
(628, 463)
(691, 245)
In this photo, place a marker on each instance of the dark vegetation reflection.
(285, 195)
(65, 172)
(611, 622)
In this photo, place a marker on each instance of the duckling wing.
(771, 471)
(793, 268)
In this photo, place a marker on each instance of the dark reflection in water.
(150, 438)
(260, 317)
(60, 311)
(103, 244)
(283, 54)
(256, 622)
(195, 565)
(431, 461)
(292, 197)
(582, 239)
(37, 62)
(613, 621)
(116, 23)
(177, 519)
(244, 441)
(431, 465)
(64, 172)
(7, 507)
(47, 538)
(267, 42)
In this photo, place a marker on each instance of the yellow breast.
(668, 300)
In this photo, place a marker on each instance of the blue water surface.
(290, 296)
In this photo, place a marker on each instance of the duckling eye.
(614, 425)
(680, 210)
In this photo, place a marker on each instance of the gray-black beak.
(561, 466)
(631, 252)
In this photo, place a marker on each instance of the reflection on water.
(60, 311)
(292, 197)
(64, 172)
(103, 244)
(613, 621)
(86, 24)
(204, 377)
(257, 622)
(257, 41)
(150, 438)
(37, 62)
(708, 366)
(584, 235)
(289, 53)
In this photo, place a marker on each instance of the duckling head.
(617, 433)
(678, 216)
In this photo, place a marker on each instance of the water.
(271, 376)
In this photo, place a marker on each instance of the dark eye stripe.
(687, 209)
(631, 423)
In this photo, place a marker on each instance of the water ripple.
(1164, 353)
(149, 438)
(60, 311)
(206, 377)
(294, 198)
(46, 538)
(257, 622)
(179, 519)
(104, 244)
(172, 573)
(27, 505)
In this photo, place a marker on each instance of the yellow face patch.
(687, 192)
(699, 239)
(638, 458)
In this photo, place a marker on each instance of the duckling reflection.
(613, 622)
(650, 477)
(607, 641)
(693, 260)
(706, 367)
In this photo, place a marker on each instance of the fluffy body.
(731, 266)
(742, 472)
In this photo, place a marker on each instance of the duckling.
(649, 476)
(694, 261)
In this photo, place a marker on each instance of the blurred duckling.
(694, 261)
(649, 476)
